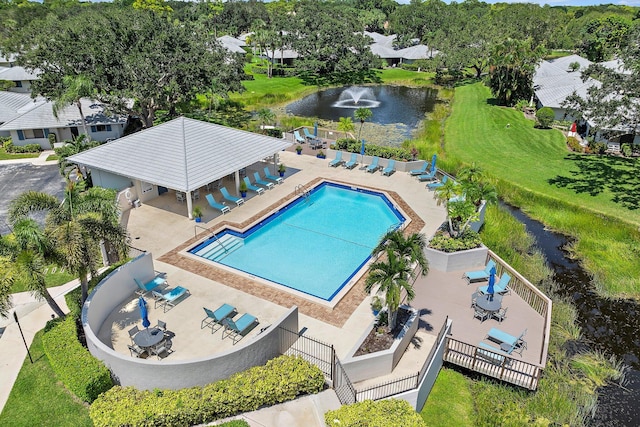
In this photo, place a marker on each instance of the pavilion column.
(189, 204)
(237, 179)
(275, 163)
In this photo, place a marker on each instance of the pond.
(608, 325)
(400, 105)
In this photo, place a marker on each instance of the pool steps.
(221, 247)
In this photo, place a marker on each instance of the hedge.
(281, 379)
(353, 146)
(383, 413)
(78, 370)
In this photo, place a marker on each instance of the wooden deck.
(442, 294)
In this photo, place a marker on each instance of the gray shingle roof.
(13, 103)
(553, 82)
(16, 73)
(42, 117)
(232, 44)
(183, 154)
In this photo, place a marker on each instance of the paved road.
(16, 178)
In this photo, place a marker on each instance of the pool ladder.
(301, 189)
(195, 231)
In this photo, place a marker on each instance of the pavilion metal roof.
(183, 154)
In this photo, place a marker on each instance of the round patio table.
(488, 305)
(148, 337)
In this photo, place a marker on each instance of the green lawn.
(52, 279)
(568, 192)
(450, 402)
(9, 156)
(509, 147)
(38, 399)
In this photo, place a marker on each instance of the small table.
(148, 337)
(490, 306)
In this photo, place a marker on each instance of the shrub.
(275, 132)
(521, 105)
(545, 117)
(280, 379)
(52, 140)
(574, 144)
(445, 243)
(84, 375)
(353, 146)
(626, 150)
(383, 413)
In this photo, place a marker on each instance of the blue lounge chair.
(374, 165)
(491, 354)
(478, 275)
(428, 176)
(299, 139)
(391, 168)
(313, 140)
(252, 187)
(353, 161)
(169, 298)
(337, 161)
(434, 185)
(508, 343)
(421, 171)
(262, 182)
(237, 329)
(308, 134)
(155, 283)
(214, 318)
(215, 205)
(225, 194)
(267, 174)
(502, 287)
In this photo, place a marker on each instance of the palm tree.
(392, 276)
(410, 248)
(81, 143)
(362, 114)
(444, 194)
(266, 116)
(6, 283)
(76, 227)
(25, 257)
(346, 125)
(75, 88)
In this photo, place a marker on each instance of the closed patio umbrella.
(433, 163)
(362, 151)
(492, 281)
(142, 304)
(315, 129)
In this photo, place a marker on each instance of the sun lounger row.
(223, 318)
(373, 167)
(250, 186)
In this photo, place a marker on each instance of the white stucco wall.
(109, 180)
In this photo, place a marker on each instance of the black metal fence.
(310, 349)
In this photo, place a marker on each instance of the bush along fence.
(84, 375)
(353, 146)
(281, 379)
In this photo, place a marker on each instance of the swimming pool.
(314, 245)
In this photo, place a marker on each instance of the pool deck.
(162, 228)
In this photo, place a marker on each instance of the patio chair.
(491, 354)
(474, 297)
(298, 138)
(238, 329)
(421, 171)
(353, 161)
(267, 174)
(501, 314)
(428, 176)
(250, 186)
(374, 165)
(479, 275)
(214, 318)
(163, 346)
(391, 168)
(502, 287)
(155, 283)
(337, 161)
(308, 134)
(180, 196)
(132, 333)
(215, 205)
(225, 194)
(434, 185)
(260, 181)
(163, 327)
(479, 313)
(169, 298)
(136, 350)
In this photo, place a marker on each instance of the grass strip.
(450, 402)
(38, 399)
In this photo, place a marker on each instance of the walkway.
(33, 316)
(37, 161)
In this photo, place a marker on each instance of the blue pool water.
(313, 245)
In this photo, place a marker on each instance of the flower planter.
(299, 152)
(198, 219)
(243, 194)
(281, 173)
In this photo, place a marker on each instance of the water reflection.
(609, 325)
(389, 104)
